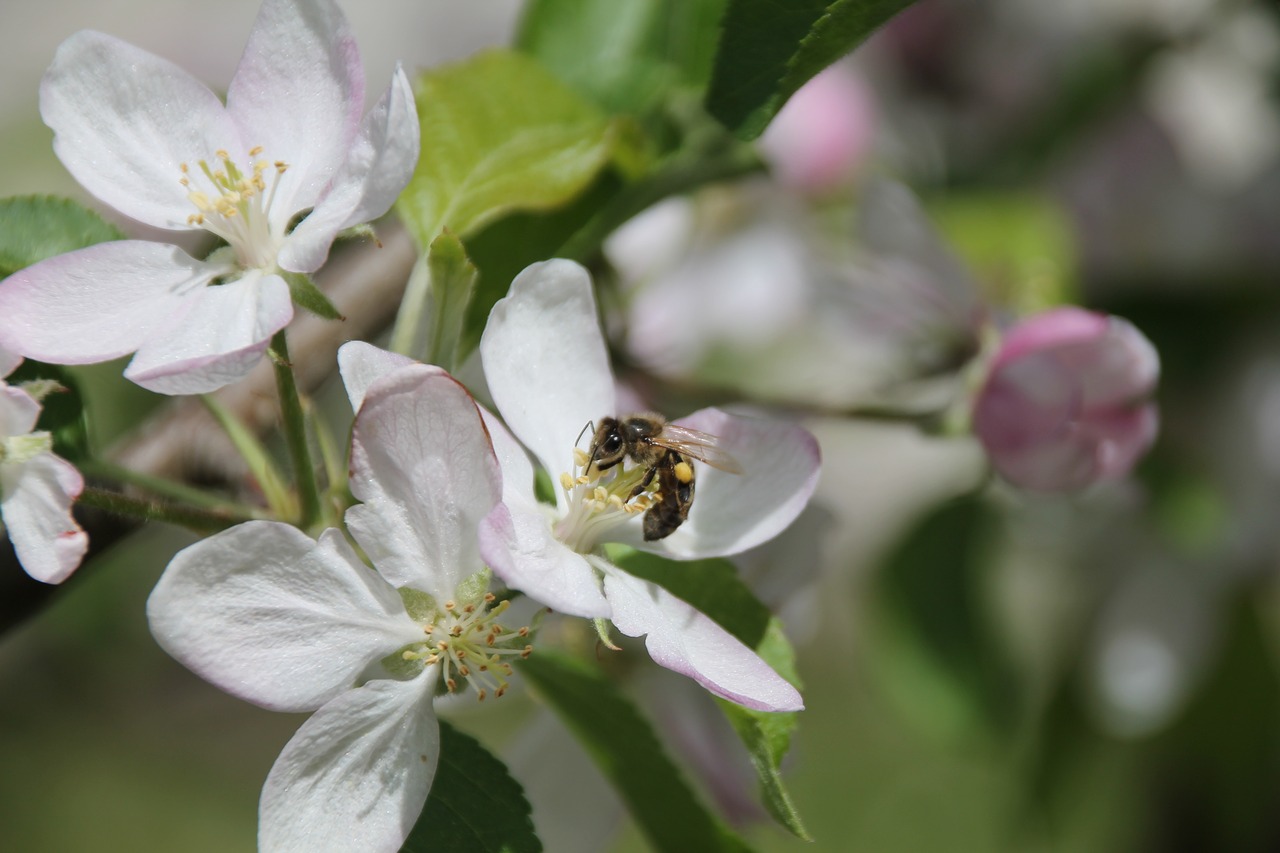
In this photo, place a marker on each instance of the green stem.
(195, 518)
(102, 469)
(295, 433)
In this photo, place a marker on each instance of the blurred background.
(1093, 672)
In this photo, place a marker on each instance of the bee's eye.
(613, 443)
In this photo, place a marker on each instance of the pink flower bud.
(823, 134)
(1066, 402)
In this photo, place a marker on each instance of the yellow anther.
(255, 151)
(582, 480)
(580, 457)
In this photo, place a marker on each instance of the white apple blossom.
(37, 488)
(545, 363)
(276, 173)
(292, 624)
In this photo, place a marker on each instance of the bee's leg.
(643, 484)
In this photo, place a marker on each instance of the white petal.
(733, 512)
(9, 362)
(124, 120)
(97, 303)
(685, 641)
(270, 615)
(545, 360)
(357, 774)
(298, 92)
(362, 364)
(517, 543)
(221, 336)
(18, 411)
(517, 470)
(423, 468)
(379, 164)
(36, 507)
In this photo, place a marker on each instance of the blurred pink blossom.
(824, 133)
(1066, 401)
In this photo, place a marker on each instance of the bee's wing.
(702, 446)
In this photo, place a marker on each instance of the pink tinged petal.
(9, 362)
(298, 92)
(378, 166)
(733, 512)
(124, 121)
(545, 361)
(688, 642)
(1066, 401)
(1051, 329)
(276, 618)
(424, 471)
(357, 774)
(362, 364)
(97, 303)
(221, 335)
(824, 132)
(18, 411)
(35, 503)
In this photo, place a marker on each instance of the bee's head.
(609, 446)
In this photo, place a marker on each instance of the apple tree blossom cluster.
(474, 516)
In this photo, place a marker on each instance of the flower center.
(24, 448)
(468, 642)
(600, 501)
(236, 204)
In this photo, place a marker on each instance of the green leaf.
(933, 650)
(500, 133)
(446, 293)
(713, 587)
(62, 413)
(504, 248)
(767, 736)
(626, 57)
(304, 293)
(769, 49)
(33, 228)
(474, 804)
(628, 752)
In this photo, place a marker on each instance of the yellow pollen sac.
(580, 457)
(566, 482)
(255, 151)
(684, 472)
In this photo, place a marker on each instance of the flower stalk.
(294, 425)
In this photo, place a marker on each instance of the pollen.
(234, 203)
(684, 472)
(478, 646)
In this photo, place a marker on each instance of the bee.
(665, 450)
